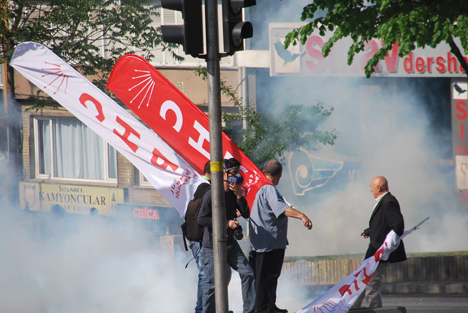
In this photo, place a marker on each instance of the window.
(66, 148)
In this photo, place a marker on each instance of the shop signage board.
(307, 60)
(74, 199)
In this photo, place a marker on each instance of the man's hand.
(364, 235)
(307, 222)
(233, 224)
(292, 212)
(236, 189)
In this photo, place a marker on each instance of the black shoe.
(275, 309)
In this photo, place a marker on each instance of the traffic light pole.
(216, 151)
(190, 35)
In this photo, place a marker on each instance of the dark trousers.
(267, 267)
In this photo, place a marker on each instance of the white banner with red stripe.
(176, 119)
(170, 174)
(341, 297)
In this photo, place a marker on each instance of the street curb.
(435, 287)
(443, 287)
(399, 309)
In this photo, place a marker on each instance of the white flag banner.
(174, 178)
(341, 297)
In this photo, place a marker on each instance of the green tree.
(92, 34)
(267, 136)
(410, 23)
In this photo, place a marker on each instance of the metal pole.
(244, 98)
(216, 150)
(5, 85)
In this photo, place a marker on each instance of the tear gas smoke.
(394, 134)
(94, 269)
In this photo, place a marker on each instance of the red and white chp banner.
(341, 297)
(174, 178)
(176, 119)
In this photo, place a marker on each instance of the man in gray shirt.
(268, 229)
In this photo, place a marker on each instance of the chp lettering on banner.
(164, 169)
(176, 119)
(341, 297)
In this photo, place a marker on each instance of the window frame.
(37, 155)
(142, 180)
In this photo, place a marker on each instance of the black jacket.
(205, 217)
(386, 217)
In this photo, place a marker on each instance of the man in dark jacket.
(234, 200)
(385, 218)
(195, 246)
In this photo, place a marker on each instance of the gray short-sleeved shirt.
(268, 225)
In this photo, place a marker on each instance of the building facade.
(69, 168)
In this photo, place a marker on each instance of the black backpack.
(190, 229)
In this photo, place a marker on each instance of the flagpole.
(216, 151)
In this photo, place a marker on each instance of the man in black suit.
(385, 218)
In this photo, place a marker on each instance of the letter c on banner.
(85, 97)
(171, 105)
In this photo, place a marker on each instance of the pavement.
(455, 288)
(398, 309)
(434, 287)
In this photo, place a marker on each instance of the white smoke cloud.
(95, 269)
(395, 140)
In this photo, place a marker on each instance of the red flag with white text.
(176, 119)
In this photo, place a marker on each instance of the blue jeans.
(195, 247)
(237, 261)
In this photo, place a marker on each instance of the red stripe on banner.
(172, 176)
(176, 119)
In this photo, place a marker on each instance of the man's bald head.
(379, 185)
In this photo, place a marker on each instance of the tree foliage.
(267, 137)
(411, 23)
(92, 34)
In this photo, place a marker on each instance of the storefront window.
(66, 148)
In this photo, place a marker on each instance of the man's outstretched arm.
(292, 212)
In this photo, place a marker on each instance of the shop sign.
(72, 198)
(145, 213)
(459, 92)
(459, 116)
(307, 60)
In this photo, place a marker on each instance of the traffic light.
(234, 28)
(190, 34)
